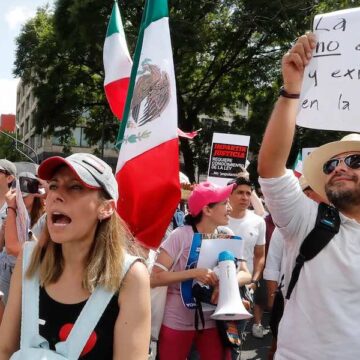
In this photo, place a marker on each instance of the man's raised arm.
(278, 138)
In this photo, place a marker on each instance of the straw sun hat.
(313, 164)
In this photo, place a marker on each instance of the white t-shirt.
(251, 228)
(275, 257)
(321, 319)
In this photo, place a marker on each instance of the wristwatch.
(11, 208)
(287, 95)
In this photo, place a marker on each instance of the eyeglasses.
(351, 161)
(4, 172)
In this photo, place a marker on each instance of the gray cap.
(92, 172)
(8, 166)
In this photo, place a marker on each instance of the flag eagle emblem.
(153, 87)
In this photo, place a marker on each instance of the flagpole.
(134, 70)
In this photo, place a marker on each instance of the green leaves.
(226, 53)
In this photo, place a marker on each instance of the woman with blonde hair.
(82, 257)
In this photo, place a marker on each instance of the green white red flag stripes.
(117, 64)
(298, 165)
(148, 165)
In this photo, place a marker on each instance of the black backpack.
(327, 225)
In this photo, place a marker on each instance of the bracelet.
(285, 94)
(12, 208)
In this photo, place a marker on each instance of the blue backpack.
(32, 345)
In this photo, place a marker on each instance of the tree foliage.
(7, 146)
(226, 53)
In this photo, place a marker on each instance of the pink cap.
(206, 193)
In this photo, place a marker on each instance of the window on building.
(27, 103)
(38, 141)
(78, 138)
(26, 125)
(32, 141)
(84, 140)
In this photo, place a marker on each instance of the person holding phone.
(7, 176)
(29, 187)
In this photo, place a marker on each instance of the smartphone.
(29, 185)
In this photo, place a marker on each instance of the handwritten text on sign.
(330, 92)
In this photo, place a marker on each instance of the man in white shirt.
(251, 228)
(321, 318)
(276, 270)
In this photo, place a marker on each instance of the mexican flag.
(117, 64)
(298, 165)
(148, 166)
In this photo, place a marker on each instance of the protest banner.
(228, 153)
(329, 95)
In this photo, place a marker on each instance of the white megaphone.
(230, 305)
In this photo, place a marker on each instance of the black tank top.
(57, 319)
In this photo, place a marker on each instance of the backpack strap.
(89, 317)
(327, 225)
(30, 304)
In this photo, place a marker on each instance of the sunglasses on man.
(351, 161)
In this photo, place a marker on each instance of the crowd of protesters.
(75, 282)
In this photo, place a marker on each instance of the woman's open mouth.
(60, 219)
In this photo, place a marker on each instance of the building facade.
(45, 147)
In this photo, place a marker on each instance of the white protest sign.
(228, 153)
(211, 248)
(209, 255)
(330, 91)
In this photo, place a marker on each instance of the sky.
(13, 14)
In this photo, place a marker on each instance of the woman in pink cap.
(85, 295)
(208, 209)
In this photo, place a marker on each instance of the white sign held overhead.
(330, 91)
(228, 154)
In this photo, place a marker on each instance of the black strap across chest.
(327, 225)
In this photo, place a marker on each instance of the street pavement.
(257, 349)
(252, 349)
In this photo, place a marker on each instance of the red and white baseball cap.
(93, 172)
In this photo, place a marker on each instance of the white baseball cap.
(93, 172)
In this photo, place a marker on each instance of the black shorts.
(260, 295)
